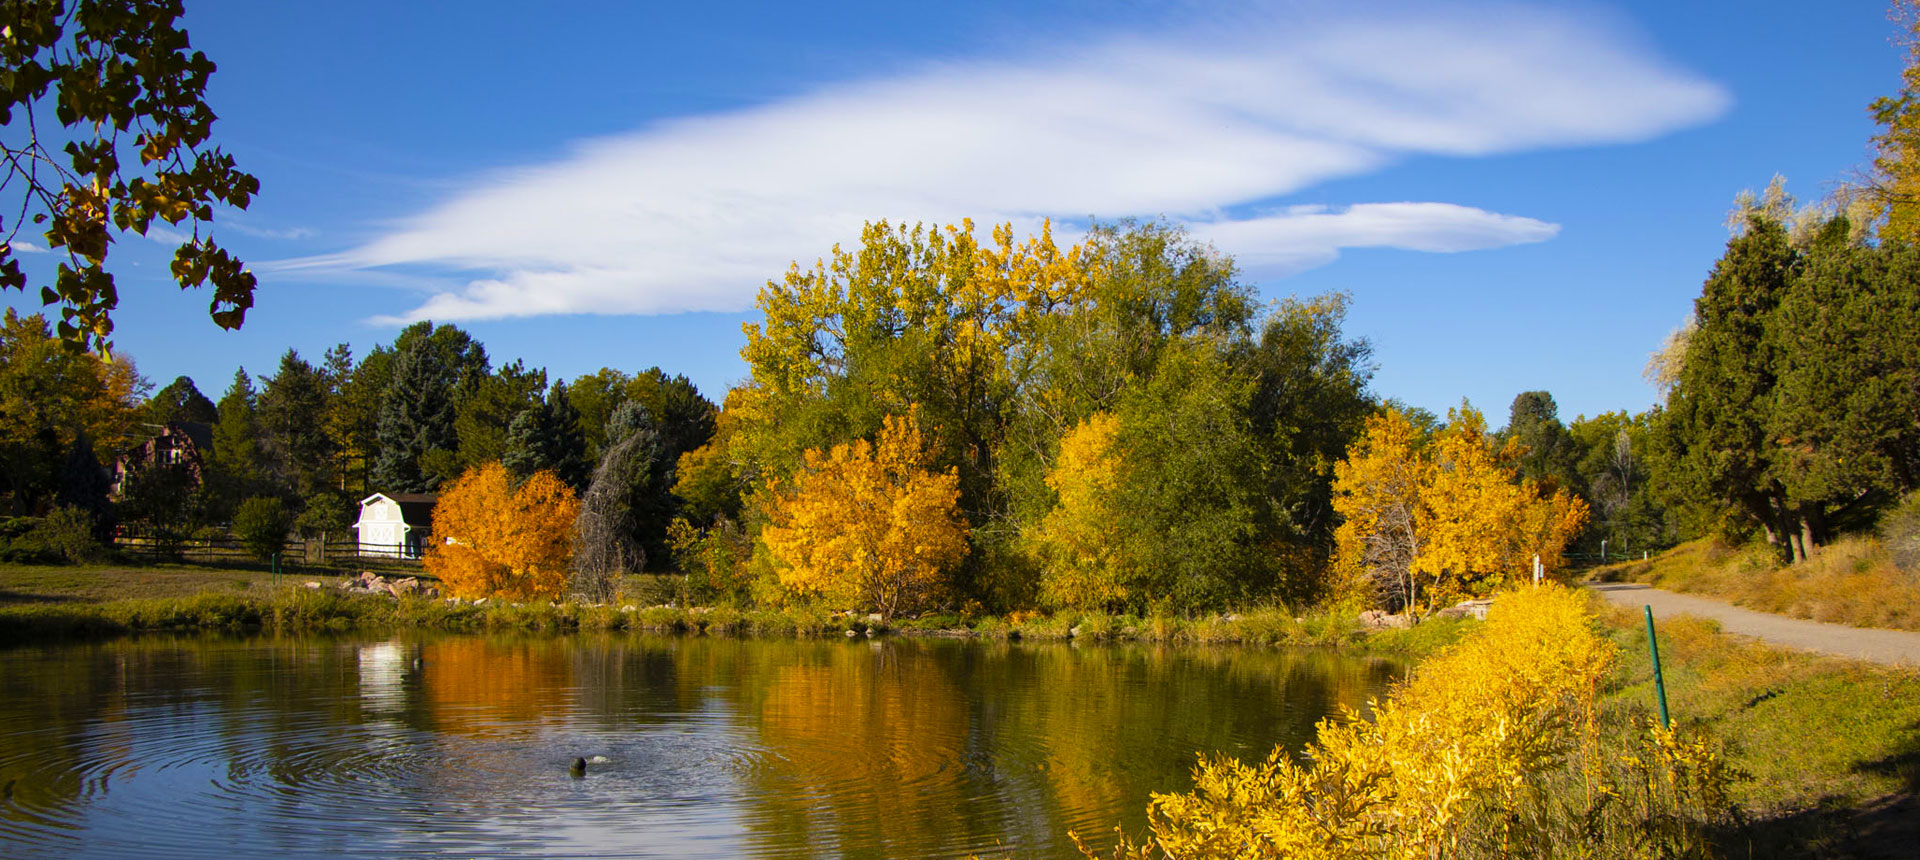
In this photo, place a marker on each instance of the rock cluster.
(369, 582)
(1376, 619)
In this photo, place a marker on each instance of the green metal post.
(1659, 683)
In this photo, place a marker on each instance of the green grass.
(29, 584)
(1819, 738)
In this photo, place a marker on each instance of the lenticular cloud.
(696, 213)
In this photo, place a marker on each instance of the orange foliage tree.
(870, 525)
(494, 540)
(1433, 523)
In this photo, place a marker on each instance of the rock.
(310, 584)
(875, 618)
(578, 769)
(410, 585)
(1375, 619)
(480, 602)
(1073, 632)
(1230, 617)
(627, 608)
(851, 634)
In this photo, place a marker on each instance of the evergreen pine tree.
(236, 465)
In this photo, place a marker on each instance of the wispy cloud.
(694, 214)
(22, 246)
(1306, 236)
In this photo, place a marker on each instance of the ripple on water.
(320, 750)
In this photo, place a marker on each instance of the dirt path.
(1889, 647)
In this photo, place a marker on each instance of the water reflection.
(708, 747)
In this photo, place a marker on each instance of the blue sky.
(1517, 196)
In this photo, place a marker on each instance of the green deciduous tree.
(49, 397)
(108, 131)
(179, 401)
(262, 523)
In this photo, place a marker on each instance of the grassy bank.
(1830, 747)
(1850, 581)
(40, 603)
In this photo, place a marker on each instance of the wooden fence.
(312, 554)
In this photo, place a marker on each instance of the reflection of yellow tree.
(472, 685)
(873, 742)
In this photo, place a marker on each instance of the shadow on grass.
(1884, 828)
(8, 598)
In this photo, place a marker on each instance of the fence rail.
(314, 554)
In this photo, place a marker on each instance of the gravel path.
(1889, 647)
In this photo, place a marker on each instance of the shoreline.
(302, 610)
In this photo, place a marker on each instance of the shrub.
(262, 524)
(1494, 748)
(68, 531)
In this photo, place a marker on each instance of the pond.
(700, 747)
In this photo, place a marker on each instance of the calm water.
(459, 746)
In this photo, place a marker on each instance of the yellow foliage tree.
(1078, 541)
(1379, 492)
(1450, 520)
(491, 539)
(870, 525)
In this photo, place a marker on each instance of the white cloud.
(696, 213)
(1306, 236)
(22, 246)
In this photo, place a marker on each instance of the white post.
(1538, 571)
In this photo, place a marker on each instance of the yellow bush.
(1493, 748)
(871, 526)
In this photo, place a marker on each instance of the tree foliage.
(871, 526)
(50, 396)
(262, 523)
(625, 492)
(1431, 521)
(1079, 541)
(179, 401)
(495, 539)
(106, 70)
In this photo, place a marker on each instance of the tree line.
(301, 445)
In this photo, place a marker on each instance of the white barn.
(397, 525)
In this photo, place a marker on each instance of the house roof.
(416, 509)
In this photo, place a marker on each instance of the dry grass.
(1850, 581)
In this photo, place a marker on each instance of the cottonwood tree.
(1078, 543)
(1450, 518)
(108, 131)
(870, 525)
(1379, 491)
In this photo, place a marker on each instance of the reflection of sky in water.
(459, 747)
